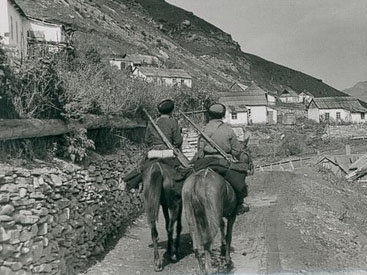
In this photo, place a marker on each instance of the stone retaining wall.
(52, 219)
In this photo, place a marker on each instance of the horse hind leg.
(230, 224)
(158, 263)
(172, 248)
(178, 231)
(208, 259)
(223, 239)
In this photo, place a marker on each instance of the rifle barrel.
(180, 156)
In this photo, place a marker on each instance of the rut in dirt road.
(293, 225)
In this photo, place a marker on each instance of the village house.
(238, 87)
(287, 95)
(161, 76)
(271, 98)
(336, 109)
(248, 107)
(305, 97)
(236, 113)
(19, 32)
(131, 61)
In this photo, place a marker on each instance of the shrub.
(77, 145)
(291, 145)
(35, 88)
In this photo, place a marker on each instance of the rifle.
(181, 157)
(209, 140)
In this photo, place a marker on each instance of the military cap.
(217, 110)
(166, 106)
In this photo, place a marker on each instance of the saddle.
(134, 177)
(234, 173)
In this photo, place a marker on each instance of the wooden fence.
(286, 165)
(11, 129)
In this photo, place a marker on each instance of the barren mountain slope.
(359, 90)
(177, 37)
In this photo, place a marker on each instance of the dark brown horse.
(161, 189)
(207, 198)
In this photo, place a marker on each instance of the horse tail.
(203, 211)
(152, 192)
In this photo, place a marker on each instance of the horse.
(161, 189)
(207, 198)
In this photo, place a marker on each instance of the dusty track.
(298, 222)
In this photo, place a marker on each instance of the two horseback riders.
(207, 156)
(165, 168)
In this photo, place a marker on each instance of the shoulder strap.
(220, 124)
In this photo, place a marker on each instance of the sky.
(323, 38)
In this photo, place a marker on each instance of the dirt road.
(298, 222)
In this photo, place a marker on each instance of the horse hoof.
(229, 265)
(158, 266)
(174, 258)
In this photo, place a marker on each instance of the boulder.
(4, 236)
(6, 209)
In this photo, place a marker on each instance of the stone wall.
(53, 218)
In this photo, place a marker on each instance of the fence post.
(291, 165)
(347, 149)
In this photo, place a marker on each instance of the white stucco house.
(161, 76)
(287, 95)
(271, 98)
(248, 107)
(131, 61)
(336, 109)
(236, 113)
(306, 97)
(19, 31)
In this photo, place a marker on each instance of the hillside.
(177, 37)
(359, 91)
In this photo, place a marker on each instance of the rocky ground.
(300, 221)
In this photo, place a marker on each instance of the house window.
(174, 80)
(234, 115)
(327, 116)
(362, 115)
(337, 115)
(182, 81)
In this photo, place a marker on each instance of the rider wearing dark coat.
(224, 136)
(170, 128)
(167, 124)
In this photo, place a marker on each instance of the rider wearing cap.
(170, 128)
(167, 124)
(224, 136)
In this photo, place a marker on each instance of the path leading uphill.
(298, 222)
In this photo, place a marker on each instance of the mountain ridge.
(359, 90)
(158, 28)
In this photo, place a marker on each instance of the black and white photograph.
(144, 137)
